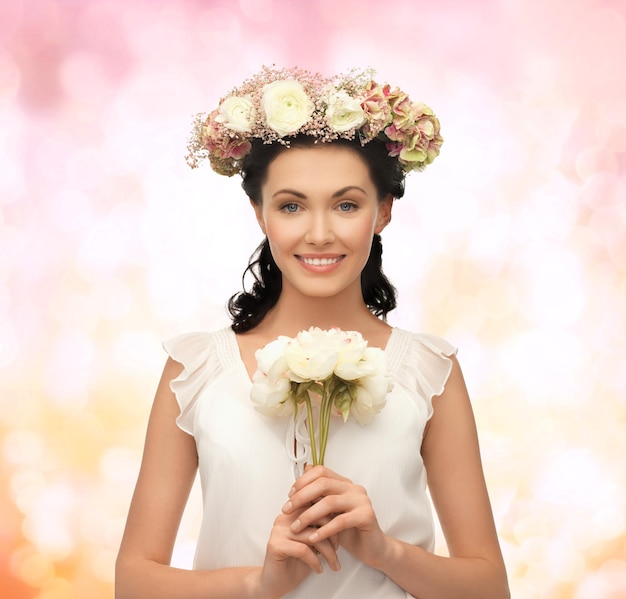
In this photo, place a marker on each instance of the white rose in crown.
(237, 113)
(286, 105)
(335, 366)
(344, 112)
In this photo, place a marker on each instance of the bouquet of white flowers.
(335, 367)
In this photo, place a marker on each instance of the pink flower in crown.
(394, 133)
(425, 120)
(434, 147)
(428, 126)
(225, 150)
(376, 108)
(210, 132)
(236, 149)
(394, 148)
(402, 110)
(413, 150)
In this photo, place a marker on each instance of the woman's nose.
(319, 230)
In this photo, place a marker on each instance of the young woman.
(322, 162)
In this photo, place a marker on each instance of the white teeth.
(320, 261)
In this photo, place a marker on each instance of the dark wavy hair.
(248, 308)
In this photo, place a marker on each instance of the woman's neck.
(295, 312)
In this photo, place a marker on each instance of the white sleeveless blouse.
(246, 472)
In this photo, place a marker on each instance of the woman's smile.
(320, 264)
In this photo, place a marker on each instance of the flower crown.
(276, 104)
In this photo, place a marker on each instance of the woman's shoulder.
(204, 355)
(421, 362)
(199, 345)
(199, 339)
(405, 345)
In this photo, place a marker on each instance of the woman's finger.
(326, 509)
(296, 542)
(282, 548)
(326, 549)
(334, 539)
(323, 547)
(314, 491)
(312, 473)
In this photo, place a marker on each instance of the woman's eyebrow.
(348, 188)
(292, 192)
(338, 193)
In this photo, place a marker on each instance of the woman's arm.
(167, 472)
(450, 450)
(475, 569)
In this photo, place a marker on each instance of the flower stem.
(324, 424)
(311, 428)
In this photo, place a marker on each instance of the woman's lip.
(320, 259)
(320, 263)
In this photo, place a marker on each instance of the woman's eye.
(347, 206)
(290, 207)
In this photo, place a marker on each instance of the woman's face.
(320, 210)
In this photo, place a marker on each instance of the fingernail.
(295, 526)
(291, 491)
(314, 537)
(287, 507)
(337, 566)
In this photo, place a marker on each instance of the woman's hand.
(341, 509)
(291, 556)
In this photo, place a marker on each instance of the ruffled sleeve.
(423, 365)
(198, 354)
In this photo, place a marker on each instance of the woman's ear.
(258, 212)
(384, 213)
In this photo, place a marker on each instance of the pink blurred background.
(512, 246)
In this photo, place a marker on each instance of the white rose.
(267, 356)
(352, 371)
(313, 354)
(236, 113)
(286, 106)
(344, 112)
(271, 386)
(372, 389)
(351, 363)
(271, 394)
